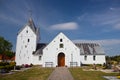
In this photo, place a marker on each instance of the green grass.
(39, 73)
(79, 74)
(35, 73)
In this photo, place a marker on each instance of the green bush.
(12, 63)
(4, 63)
(2, 67)
(17, 67)
(7, 66)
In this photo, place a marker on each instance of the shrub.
(26, 65)
(7, 66)
(2, 67)
(31, 65)
(12, 63)
(4, 63)
(17, 67)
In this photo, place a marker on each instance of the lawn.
(79, 74)
(39, 73)
(35, 73)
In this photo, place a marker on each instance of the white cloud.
(10, 19)
(65, 26)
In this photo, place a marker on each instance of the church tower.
(27, 40)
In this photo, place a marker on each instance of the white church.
(60, 52)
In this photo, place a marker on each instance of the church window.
(28, 40)
(61, 40)
(40, 57)
(61, 45)
(94, 57)
(85, 57)
(26, 31)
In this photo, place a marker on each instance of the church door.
(61, 59)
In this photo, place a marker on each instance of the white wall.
(36, 60)
(51, 51)
(100, 59)
(24, 49)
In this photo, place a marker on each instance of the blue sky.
(80, 20)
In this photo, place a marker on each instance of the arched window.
(26, 31)
(61, 40)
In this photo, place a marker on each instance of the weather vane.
(30, 13)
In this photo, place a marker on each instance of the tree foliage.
(116, 58)
(5, 47)
(113, 58)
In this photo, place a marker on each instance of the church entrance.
(61, 59)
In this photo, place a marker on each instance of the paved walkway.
(61, 73)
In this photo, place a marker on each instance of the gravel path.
(61, 73)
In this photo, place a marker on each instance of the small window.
(61, 40)
(28, 40)
(26, 31)
(94, 57)
(61, 45)
(40, 57)
(85, 57)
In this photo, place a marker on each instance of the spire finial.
(30, 13)
(30, 16)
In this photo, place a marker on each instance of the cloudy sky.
(80, 20)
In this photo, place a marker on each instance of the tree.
(5, 47)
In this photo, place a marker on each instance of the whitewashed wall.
(100, 59)
(51, 51)
(36, 60)
(24, 49)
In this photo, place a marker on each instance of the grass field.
(79, 74)
(36, 73)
